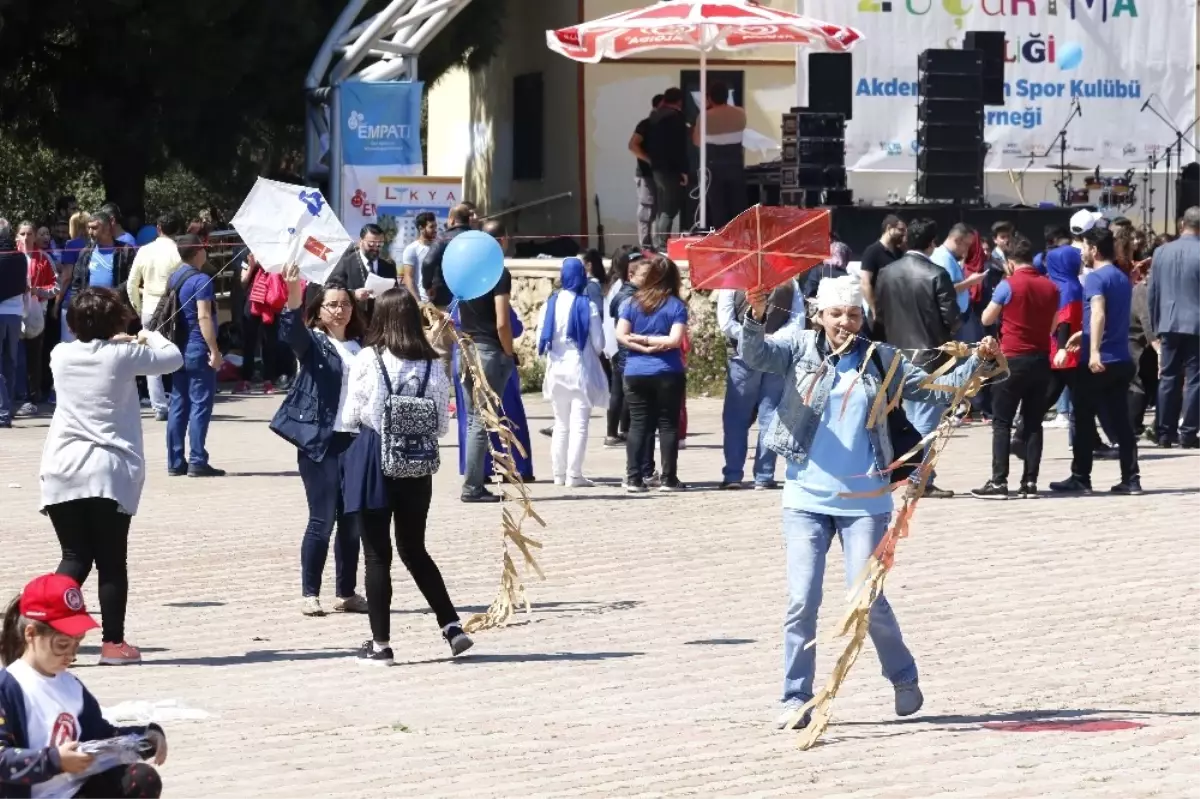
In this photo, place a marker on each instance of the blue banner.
(381, 124)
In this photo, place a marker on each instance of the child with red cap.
(45, 712)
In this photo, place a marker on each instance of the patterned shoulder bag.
(409, 434)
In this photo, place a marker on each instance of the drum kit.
(1098, 191)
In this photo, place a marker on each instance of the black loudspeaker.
(951, 62)
(831, 83)
(941, 85)
(948, 136)
(991, 45)
(1187, 189)
(950, 161)
(950, 187)
(950, 111)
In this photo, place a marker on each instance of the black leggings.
(93, 531)
(255, 332)
(408, 509)
(655, 403)
(618, 408)
(138, 780)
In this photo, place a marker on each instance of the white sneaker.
(788, 713)
(560, 481)
(1059, 422)
(580, 482)
(312, 606)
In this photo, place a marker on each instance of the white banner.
(391, 199)
(1111, 55)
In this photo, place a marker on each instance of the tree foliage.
(137, 88)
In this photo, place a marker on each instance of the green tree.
(137, 86)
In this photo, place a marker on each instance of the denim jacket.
(800, 353)
(308, 414)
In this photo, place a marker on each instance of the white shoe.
(580, 482)
(1058, 422)
(560, 481)
(683, 443)
(312, 607)
(350, 604)
(788, 713)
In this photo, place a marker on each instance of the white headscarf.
(834, 292)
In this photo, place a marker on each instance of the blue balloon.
(1070, 57)
(472, 264)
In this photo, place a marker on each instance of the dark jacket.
(667, 142)
(916, 304)
(18, 762)
(1175, 288)
(432, 279)
(1140, 328)
(626, 291)
(310, 409)
(14, 270)
(352, 273)
(122, 264)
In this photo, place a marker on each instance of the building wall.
(470, 128)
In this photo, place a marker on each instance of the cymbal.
(1070, 168)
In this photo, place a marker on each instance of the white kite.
(283, 223)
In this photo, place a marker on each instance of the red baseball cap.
(55, 599)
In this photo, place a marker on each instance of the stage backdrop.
(1113, 55)
(381, 141)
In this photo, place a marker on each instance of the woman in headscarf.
(572, 340)
(837, 478)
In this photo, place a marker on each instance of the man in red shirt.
(1026, 303)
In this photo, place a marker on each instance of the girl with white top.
(398, 360)
(93, 463)
(572, 339)
(325, 341)
(46, 712)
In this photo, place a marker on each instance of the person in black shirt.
(487, 321)
(879, 254)
(666, 142)
(647, 200)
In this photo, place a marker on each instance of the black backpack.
(165, 319)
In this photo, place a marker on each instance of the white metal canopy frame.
(382, 47)
(702, 26)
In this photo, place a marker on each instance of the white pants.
(158, 395)
(568, 445)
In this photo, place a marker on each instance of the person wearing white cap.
(1085, 220)
(837, 479)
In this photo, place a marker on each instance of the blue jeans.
(323, 488)
(10, 338)
(192, 391)
(924, 417)
(749, 395)
(497, 368)
(807, 538)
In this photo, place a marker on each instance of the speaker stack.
(813, 171)
(950, 134)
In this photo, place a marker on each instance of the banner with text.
(381, 141)
(1111, 55)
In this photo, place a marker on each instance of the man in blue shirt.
(193, 387)
(1106, 366)
(950, 256)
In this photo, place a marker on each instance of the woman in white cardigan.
(572, 339)
(93, 464)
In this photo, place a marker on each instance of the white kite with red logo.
(284, 223)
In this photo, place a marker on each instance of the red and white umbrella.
(698, 25)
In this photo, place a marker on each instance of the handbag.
(903, 435)
(409, 445)
(33, 321)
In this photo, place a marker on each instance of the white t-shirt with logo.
(53, 706)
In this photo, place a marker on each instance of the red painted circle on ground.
(1094, 725)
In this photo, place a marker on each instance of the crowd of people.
(1101, 323)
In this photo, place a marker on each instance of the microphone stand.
(1060, 140)
(1177, 146)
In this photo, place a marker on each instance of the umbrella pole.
(703, 139)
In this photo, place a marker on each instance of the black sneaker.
(1165, 443)
(178, 472)
(933, 492)
(1131, 488)
(636, 486)
(612, 442)
(769, 485)
(1072, 485)
(458, 640)
(672, 487)
(205, 471)
(731, 485)
(1027, 491)
(369, 655)
(481, 496)
(991, 490)
(1190, 443)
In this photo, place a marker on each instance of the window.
(528, 126)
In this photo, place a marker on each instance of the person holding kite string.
(837, 467)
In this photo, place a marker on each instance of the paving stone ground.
(651, 664)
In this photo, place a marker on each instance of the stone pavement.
(652, 661)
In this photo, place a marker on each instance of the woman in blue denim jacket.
(325, 339)
(836, 481)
